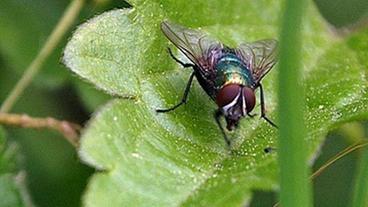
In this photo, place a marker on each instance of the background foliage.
(54, 175)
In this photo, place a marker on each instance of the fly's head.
(235, 101)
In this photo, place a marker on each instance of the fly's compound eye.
(227, 94)
(250, 98)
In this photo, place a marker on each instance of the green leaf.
(10, 185)
(180, 158)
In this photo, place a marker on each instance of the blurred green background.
(54, 175)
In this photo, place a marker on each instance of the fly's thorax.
(231, 70)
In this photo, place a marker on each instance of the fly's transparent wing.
(193, 43)
(260, 56)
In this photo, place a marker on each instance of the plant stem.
(360, 196)
(295, 185)
(68, 129)
(63, 25)
(334, 159)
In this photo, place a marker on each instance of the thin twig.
(60, 29)
(68, 129)
(338, 156)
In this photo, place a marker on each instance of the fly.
(229, 76)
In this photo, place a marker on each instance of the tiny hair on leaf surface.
(180, 158)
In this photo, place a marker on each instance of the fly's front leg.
(251, 115)
(263, 109)
(185, 65)
(183, 100)
(217, 116)
(187, 88)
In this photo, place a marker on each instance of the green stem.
(295, 187)
(61, 28)
(334, 159)
(360, 196)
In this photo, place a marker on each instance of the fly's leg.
(185, 65)
(263, 110)
(183, 100)
(251, 115)
(187, 88)
(217, 116)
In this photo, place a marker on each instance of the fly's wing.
(260, 56)
(193, 43)
(202, 50)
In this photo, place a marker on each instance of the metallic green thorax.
(230, 69)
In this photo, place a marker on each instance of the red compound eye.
(227, 94)
(250, 98)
